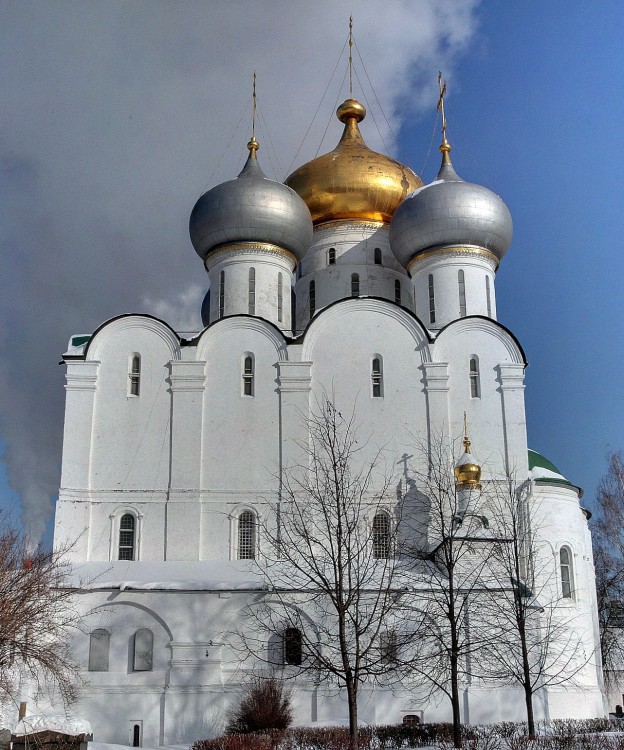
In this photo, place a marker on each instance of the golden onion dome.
(353, 182)
(467, 471)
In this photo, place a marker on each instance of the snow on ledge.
(540, 473)
(41, 723)
(204, 575)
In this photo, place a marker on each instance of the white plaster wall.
(496, 419)
(341, 345)
(268, 265)
(559, 521)
(445, 267)
(240, 435)
(222, 452)
(130, 434)
(354, 243)
(199, 671)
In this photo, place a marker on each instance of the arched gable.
(226, 327)
(404, 319)
(136, 323)
(475, 324)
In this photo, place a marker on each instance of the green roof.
(536, 460)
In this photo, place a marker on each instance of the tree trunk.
(353, 712)
(455, 703)
(528, 699)
(526, 681)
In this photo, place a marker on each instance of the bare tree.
(452, 538)
(608, 541)
(36, 617)
(537, 643)
(329, 561)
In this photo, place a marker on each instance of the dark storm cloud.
(114, 118)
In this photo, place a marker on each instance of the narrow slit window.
(475, 386)
(377, 377)
(248, 376)
(293, 651)
(246, 536)
(431, 300)
(565, 564)
(355, 284)
(461, 283)
(397, 291)
(331, 256)
(312, 298)
(381, 536)
(252, 291)
(377, 256)
(222, 294)
(487, 296)
(135, 375)
(127, 531)
(280, 297)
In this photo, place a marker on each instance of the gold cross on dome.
(442, 87)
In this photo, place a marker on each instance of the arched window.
(377, 256)
(567, 579)
(246, 536)
(462, 293)
(143, 650)
(397, 291)
(248, 375)
(475, 386)
(222, 294)
(431, 300)
(355, 284)
(136, 735)
(127, 531)
(135, 375)
(381, 536)
(388, 647)
(280, 297)
(312, 298)
(99, 648)
(376, 377)
(331, 256)
(252, 291)
(487, 296)
(293, 651)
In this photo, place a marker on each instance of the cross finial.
(253, 144)
(253, 117)
(350, 57)
(466, 438)
(442, 87)
(445, 148)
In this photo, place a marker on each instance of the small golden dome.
(467, 472)
(353, 182)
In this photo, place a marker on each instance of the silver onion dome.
(251, 208)
(450, 212)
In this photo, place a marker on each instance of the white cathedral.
(351, 279)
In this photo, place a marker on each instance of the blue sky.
(119, 115)
(537, 116)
